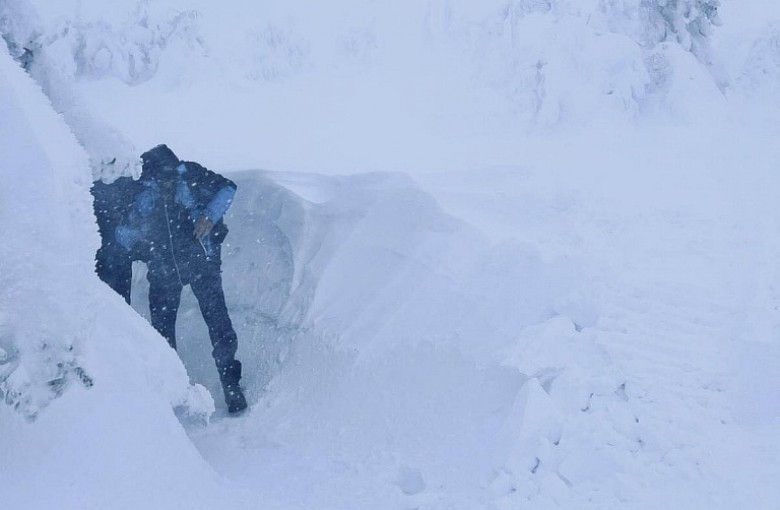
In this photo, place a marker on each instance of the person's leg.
(207, 287)
(164, 299)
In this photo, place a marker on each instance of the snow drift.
(65, 334)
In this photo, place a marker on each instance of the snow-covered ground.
(483, 255)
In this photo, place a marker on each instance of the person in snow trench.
(176, 218)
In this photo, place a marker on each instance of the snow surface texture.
(511, 254)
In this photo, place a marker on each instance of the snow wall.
(64, 333)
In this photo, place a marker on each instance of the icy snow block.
(532, 421)
(410, 480)
(196, 406)
(540, 416)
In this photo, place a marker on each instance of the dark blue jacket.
(162, 222)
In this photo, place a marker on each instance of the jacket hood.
(159, 162)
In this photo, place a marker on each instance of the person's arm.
(215, 210)
(221, 202)
(217, 189)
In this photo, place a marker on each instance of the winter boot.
(234, 397)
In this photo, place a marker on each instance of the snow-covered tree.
(687, 22)
(39, 51)
(57, 50)
(17, 29)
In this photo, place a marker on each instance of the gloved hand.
(203, 227)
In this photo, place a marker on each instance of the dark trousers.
(206, 284)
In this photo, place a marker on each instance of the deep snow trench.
(400, 356)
